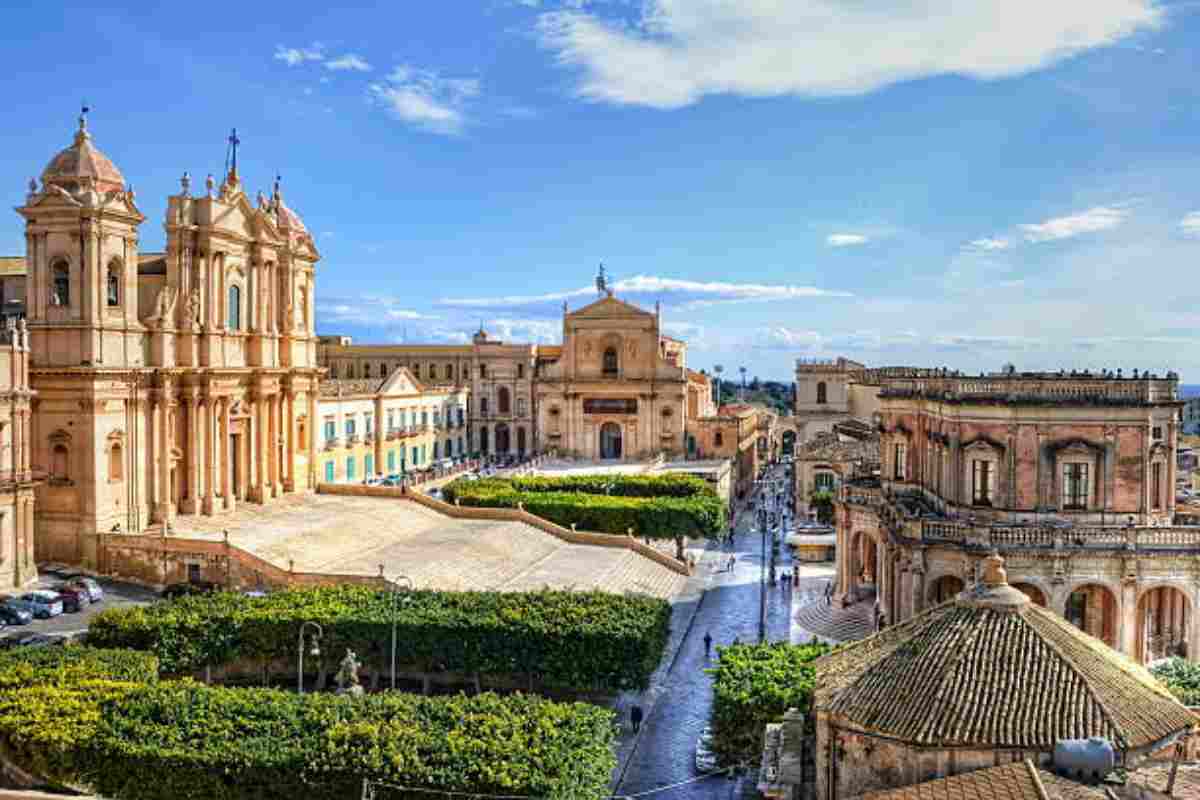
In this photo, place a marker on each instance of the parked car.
(706, 759)
(174, 590)
(435, 493)
(374, 481)
(12, 614)
(74, 599)
(94, 592)
(43, 604)
(31, 640)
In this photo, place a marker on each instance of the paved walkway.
(350, 535)
(813, 618)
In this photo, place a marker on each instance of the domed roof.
(992, 670)
(285, 216)
(82, 166)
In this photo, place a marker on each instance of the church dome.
(285, 217)
(82, 166)
(991, 670)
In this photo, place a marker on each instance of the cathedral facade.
(169, 383)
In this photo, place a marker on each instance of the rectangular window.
(1076, 489)
(330, 430)
(370, 466)
(424, 419)
(350, 468)
(350, 426)
(1156, 432)
(520, 370)
(981, 483)
(391, 461)
(899, 453)
(369, 424)
(1156, 486)
(329, 467)
(414, 457)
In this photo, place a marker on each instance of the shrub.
(1181, 677)
(59, 666)
(753, 685)
(662, 507)
(572, 640)
(177, 740)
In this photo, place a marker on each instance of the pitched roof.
(1019, 780)
(609, 306)
(990, 669)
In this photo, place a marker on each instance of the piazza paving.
(355, 535)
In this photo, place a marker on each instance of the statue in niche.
(289, 317)
(347, 675)
(164, 304)
(193, 307)
(633, 349)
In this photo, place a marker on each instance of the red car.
(74, 598)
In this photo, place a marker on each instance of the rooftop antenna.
(602, 282)
(84, 108)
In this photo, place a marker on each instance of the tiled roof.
(1019, 780)
(828, 446)
(346, 386)
(994, 674)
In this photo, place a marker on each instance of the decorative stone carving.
(347, 675)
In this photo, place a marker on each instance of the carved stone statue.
(193, 306)
(164, 304)
(289, 317)
(347, 675)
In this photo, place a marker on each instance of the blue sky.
(944, 183)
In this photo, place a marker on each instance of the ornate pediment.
(984, 444)
(609, 307)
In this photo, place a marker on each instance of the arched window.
(483, 406)
(116, 463)
(718, 439)
(60, 284)
(383, 370)
(113, 284)
(521, 406)
(304, 309)
(235, 308)
(821, 393)
(610, 361)
(59, 459)
(449, 372)
(503, 400)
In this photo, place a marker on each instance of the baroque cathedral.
(181, 382)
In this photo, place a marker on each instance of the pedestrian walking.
(707, 643)
(829, 593)
(635, 717)
(732, 562)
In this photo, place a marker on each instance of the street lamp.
(314, 652)
(398, 582)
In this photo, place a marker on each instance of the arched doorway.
(502, 400)
(1093, 609)
(945, 588)
(1164, 617)
(610, 440)
(502, 443)
(521, 442)
(1035, 595)
(864, 564)
(789, 442)
(483, 439)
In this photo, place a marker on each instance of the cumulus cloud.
(1093, 220)
(426, 99)
(646, 289)
(671, 53)
(349, 62)
(813, 342)
(988, 244)
(845, 239)
(1190, 224)
(368, 310)
(294, 56)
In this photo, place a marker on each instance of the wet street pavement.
(665, 750)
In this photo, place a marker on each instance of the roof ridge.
(949, 665)
(1051, 643)
(1037, 779)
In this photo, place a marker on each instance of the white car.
(706, 759)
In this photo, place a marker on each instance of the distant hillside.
(1189, 390)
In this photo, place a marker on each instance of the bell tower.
(81, 238)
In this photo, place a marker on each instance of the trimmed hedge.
(570, 640)
(753, 685)
(58, 666)
(178, 740)
(662, 507)
(1181, 677)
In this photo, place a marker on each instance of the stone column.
(1127, 614)
(195, 460)
(227, 455)
(311, 396)
(380, 433)
(260, 443)
(166, 509)
(210, 460)
(288, 411)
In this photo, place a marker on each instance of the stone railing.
(570, 535)
(1073, 389)
(1057, 538)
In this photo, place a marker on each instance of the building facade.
(18, 479)
(174, 383)
(1071, 476)
(372, 427)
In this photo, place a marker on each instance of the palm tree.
(718, 369)
(743, 371)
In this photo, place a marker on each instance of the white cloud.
(646, 289)
(1190, 224)
(350, 61)
(845, 239)
(1091, 221)
(368, 310)
(426, 99)
(674, 52)
(989, 244)
(294, 56)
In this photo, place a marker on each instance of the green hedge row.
(753, 685)
(614, 485)
(183, 740)
(661, 517)
(58, 666)
(1181, 677)
(570, 640)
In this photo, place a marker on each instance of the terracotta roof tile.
(1016, 781)
(964, 673)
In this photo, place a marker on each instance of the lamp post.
(761, 486)
(398, 582)
(316, 651)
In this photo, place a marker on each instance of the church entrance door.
(502, 444)
(610, 440)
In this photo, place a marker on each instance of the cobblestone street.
(664, 753)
